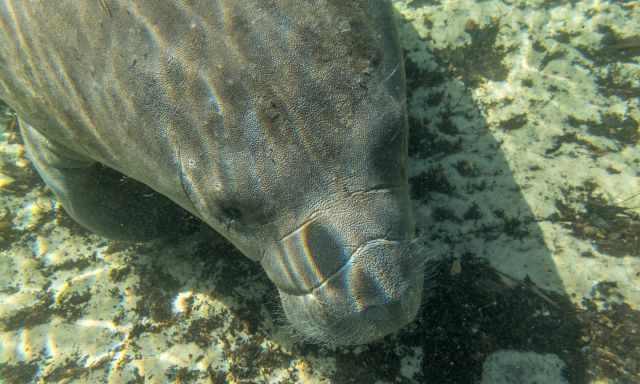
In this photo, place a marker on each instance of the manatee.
(279, 123)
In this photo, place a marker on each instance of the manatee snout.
(374, 294)
(352, 278)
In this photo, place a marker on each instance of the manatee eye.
(230, 215)
(233, 213)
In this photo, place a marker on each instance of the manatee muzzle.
(376, 290)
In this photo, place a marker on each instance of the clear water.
(524, 171)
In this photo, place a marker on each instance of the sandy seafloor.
(525, 168)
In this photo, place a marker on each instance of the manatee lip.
(365, 300)
(405, 244)
(320, 322)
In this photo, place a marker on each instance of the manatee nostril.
(232, 213)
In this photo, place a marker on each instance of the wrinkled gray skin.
(279, 123)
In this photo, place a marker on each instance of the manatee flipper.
(98, 197)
